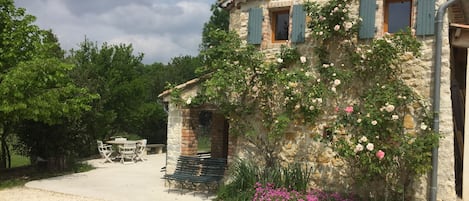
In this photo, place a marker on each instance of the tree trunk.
(3, 164)
(4, 158)
(57, 163)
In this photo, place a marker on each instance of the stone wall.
(300, 145)
(180, 139)
(173, 147)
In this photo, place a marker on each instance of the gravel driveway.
(110, 182)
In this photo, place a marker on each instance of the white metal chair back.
(105, 151)
(141, 148)
(127, 151)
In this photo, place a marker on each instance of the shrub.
(245, 176)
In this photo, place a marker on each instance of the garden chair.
(141, 148)
(127, 151)
(105, 151)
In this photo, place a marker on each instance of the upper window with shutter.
(397, 15)
(286, 24)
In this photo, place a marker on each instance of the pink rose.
(349, 109)
(336, 27)
(380, 154)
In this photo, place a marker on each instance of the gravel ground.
(29, 194)
(108, 182)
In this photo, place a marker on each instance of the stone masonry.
(418, 74)
(299, 143)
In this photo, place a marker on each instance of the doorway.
(458, 94)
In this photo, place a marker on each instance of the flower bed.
(270, 193)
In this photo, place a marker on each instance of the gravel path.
(29, 194)
(108, 182)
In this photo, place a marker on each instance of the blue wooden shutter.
(368, 15)
(298, 24)
(255, 26)
(425, 17)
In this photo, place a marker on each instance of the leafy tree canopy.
(34, 82)
(220, 20)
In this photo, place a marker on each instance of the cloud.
(160, 29)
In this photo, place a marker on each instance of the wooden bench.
(196, 170)
(155, 148)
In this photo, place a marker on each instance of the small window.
(280, 25)
(397, 15)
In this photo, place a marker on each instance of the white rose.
(423, 126)
(358, 148)
(297, 107)
(370, 147)
(348, 25)
(390, 108)
(336, 82)
(303, 59)
(374, 122)
(363, 139)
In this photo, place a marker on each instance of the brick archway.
(190, 131)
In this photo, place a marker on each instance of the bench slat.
(198, 170)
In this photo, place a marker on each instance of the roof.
(229, 4)
(184, 85)
(224, 3)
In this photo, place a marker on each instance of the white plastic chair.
(127, 151)
(141, 148)
(105, 151)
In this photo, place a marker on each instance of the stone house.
(268, 24)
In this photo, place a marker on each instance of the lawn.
(19, 161)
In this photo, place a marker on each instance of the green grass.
(19, 161)
(82, 167)
(10, 183)
(204, 144)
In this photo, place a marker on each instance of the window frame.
(273, 16)
(386, 13)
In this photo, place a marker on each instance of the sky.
(160, 29)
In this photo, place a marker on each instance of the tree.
(116, 74)
(220, 20)
(34, 83)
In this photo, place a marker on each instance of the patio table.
(121, 142)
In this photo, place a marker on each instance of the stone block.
(409, 121)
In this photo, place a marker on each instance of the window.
(397, 15)
(280, 25)
(280, 28)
